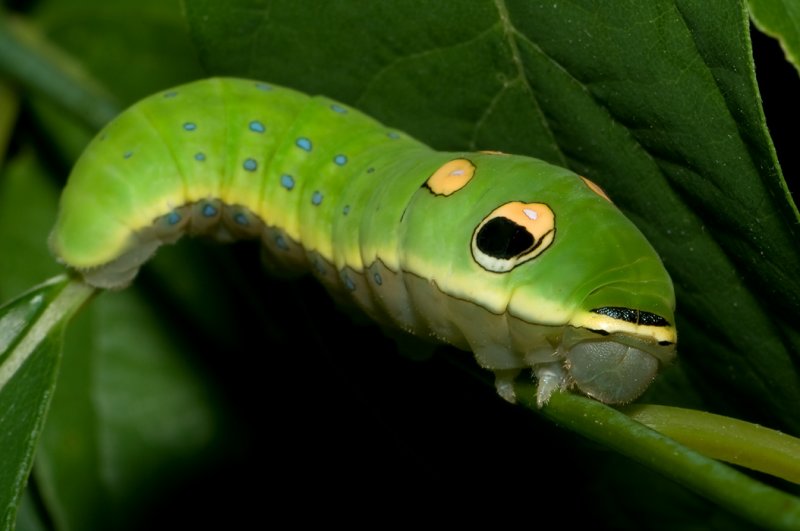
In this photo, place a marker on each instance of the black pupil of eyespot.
(502, 238)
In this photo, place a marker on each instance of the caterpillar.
(526, 264)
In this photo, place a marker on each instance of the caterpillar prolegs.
(526, 264)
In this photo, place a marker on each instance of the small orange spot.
(594, 187)
(451, 177)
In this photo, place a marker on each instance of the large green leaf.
(657, 101)
(133, 47)
(27, 211)
(31, 331)
(780, 19)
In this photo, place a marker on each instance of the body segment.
(526, 264)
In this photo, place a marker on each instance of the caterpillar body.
(526, 264)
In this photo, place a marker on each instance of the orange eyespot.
(512, 234)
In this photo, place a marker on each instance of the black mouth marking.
(632, 316)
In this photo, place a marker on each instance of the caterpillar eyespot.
(526, 264)
(512, 234)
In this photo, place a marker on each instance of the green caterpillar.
(526, 264)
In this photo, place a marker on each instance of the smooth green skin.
(374, 209)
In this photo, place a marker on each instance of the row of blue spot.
(259, 86)
(255, 126)
(348, 282)
(251, 165)
(351, 286)
(209, 211)
(287, 181)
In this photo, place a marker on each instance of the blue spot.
(263, 86)
(250, 164)
(173, 218)
(190, 126)
(257, 127)
(241, 219)
(339, 109)
(316, 198)
(340, 160)
(378, 279)
(209, 210)
(303, 143)
(287, 181)
(349, 283)
(370, 170)
(170, 94)
(392, 134)
(200, 156)
(346, 210)
(280, 241)
(128, 154)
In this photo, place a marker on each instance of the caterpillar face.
(526, 264)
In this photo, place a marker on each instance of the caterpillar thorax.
(524, 263)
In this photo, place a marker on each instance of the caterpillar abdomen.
(524, 263)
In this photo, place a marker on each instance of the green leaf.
(780, 19)
(27, 212)
(130, 415)
(9, 105)
(134, 47)
(31, 329)
(656, 101)
(27, 57)
(28, 517)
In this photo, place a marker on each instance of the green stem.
(731, 440)
(761, 504)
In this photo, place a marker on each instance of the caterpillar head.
(617, 348)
